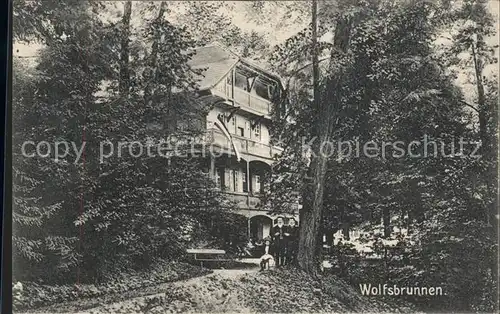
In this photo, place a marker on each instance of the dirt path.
(208, 293)
(187, 294)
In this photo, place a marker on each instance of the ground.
(210, 293)
(239, 291)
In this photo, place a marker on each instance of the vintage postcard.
(321, 156)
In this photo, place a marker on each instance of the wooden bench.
(208, 255)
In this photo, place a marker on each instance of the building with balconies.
(241, 96)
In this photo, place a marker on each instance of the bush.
(459, 264)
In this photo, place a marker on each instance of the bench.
(208, 255)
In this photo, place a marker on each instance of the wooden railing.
(253, 201)
(244, 200)
(246, 146)
(241, 199)
(244, 98)
(255, 102)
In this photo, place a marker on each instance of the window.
(271, 92)
(256, 132)
(206, 170)
(233, 182)
(244, 79)
(261, 89)
(247, 128)
(219, 175)
(244, 182)
(221, 118)
(274, 92)
(232, 126)
(230, 184)
(241, 81)
(236, 180)
(257, 184)
(242, 127)
(265, 89)
(282, 109)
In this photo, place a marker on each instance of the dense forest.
(356, 70)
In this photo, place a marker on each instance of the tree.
(124, 55)
(47, 106)
(91, 80)
(474, 24)
(394, 87)
(208, 23)
(325, 107)
(155, 202)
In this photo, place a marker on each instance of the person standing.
(278, 234)
(292, 237)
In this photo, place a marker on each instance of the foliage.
(76, 219)
(208, 23)
(35, 295)
(395, 87)
(385, 77)
(47, 104)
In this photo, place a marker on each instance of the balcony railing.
(257, 103)
(240, 199)
(244, 200)
(244, 98)
(245, 146)
(253, 201)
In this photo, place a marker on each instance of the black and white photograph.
(310, 156)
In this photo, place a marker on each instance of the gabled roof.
(218, 62)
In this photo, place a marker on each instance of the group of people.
(282, 244)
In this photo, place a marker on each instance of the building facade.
(241, 96)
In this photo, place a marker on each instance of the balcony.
(255, 102)
(253, 201)
(244, 200)
(244, 99)
(245, 146)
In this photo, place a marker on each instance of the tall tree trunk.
(309, 251)
(489, 153)
(124, 83)
(153, 73)
(156, 40)
(310, 214)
